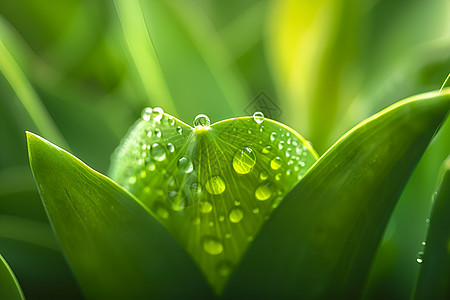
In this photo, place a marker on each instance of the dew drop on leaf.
(255, 211)
(273, 136)
(236, 215)
(419, 257)
(205, 207)
(212, 245)
(146, 113)
(263, 175)
(158, 132)
(185, 165)
(170, 147)
(179, 130)
(132, 180)
(244, 160)
(266, 149)
(258, 117)
(157, 152)
(202, 121)
(275, 163)
(224, 268)
(157, 114)
(263, 192)
(215, 185)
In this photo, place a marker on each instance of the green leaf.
(9, 287)
(116, 248)
(320, 241)
(434, 277)
(211, 186)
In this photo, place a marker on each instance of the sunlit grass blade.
(434, 277)
(9, 287)
(320, 241)
(212, 186)
(116, 248)
(18, 81)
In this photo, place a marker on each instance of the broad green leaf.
(9, 287)
(211, 186)
(320, 241)
(434, 277)
(116, 248)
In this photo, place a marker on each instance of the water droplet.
(205, 207)
(288, 172)
(273, 136)
(171, 121)
(281, 145)
(149, 132)
(160, 210)
(212, 245)
(215, 185)
(250, 131)
(211, 224)
(236, 215)
(157, 152)
(185, 165)
(177, 200)
(202, 121)
(179, 130)
(255, 211)
(427, 221)
(157, 114)
(170, 147)
(263, 192)
(263, 175)
(419, 257)
(258, 117)
(278, 176)
(221, 218)
(158, 132)
(224, 268)
(244, 160)
(275, 163)
(150, 165)
(142, 174)
(266, 149)
(237, 203)
(424, 243)
(196, 221)
(228, 235)
(132, 180)
(146, 113)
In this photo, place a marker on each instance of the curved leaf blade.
(324, 234)
(211, 186)
(117, 250)
(9, 287)
(434, 276)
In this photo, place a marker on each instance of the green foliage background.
(79, 73)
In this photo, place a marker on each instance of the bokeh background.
(78, 72)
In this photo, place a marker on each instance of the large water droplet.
(146, 113)
(419, 257)
(236, 215)
(275, 163)
(185, 165)
(244, 160)
(212, 245)
(258, 117)
(263, 192)
(157, 114)
(157, 152)
(205, 207)
(224, 268)
(215, 185)
(202, 121)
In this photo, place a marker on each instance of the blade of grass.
(325, 233)
(434, 276)
(26, 94)
(9, 286)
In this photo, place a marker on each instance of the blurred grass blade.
(117, 250)
(9, 287)
(211, 186)
(25, 92)
(320, 241)
(434, 276)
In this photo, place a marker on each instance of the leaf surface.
(320, 241)
(212, 186)
(116, 248)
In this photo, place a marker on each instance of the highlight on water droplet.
(244, 160)
(263, 192)
(185, 165)
(258, 117)
(275, 163)
(419, 257)
(215, 185)
(157, 152)
(212, 245)
(224, 268)
(157, 114)
(146, 113)
(202, 121)
(236, 215)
